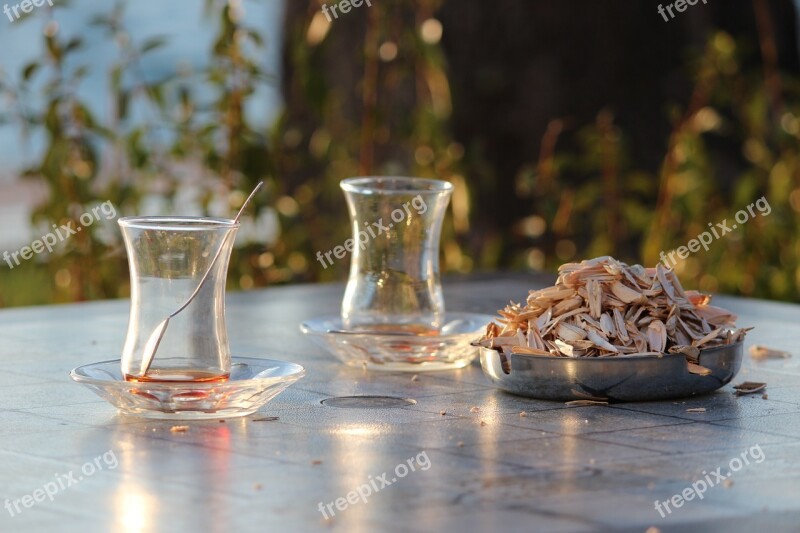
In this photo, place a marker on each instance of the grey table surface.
(488, 469)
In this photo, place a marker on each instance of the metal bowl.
(633, 378)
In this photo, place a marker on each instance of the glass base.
(251, 384)
(187, 415)
(450, 349)
(179, 376)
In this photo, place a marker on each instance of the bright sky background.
(189, 35)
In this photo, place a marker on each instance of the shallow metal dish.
(621, 379)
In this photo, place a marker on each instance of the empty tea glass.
(394, 283)
(168, 257)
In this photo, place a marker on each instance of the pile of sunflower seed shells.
(603, 308)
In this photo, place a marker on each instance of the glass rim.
(177, 223)
(371, 185)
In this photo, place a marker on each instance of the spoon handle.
(216, 256)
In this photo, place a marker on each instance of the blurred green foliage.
(121, 158)
(302, 157)
(636, 216)
(388, 112)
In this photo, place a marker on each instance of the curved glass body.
(394, 275)
(168, 257)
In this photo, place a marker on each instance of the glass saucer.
(252, 383)
(449, 349)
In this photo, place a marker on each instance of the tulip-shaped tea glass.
(393, 315)
(168, 257)
(394, 281)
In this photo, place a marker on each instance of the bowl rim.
(621, 359)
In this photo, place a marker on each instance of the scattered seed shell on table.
(584, 403)
(762, 352)
(749, 387)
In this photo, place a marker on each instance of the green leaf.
(156, 93)
(123, 99)
(116, 78)
(29, 70)
(83, 114)
(152, 43)
(255, 37)
(73, 44)
(80, 72)
(100, 20)
(53, 48)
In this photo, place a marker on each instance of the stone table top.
(68, 462)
